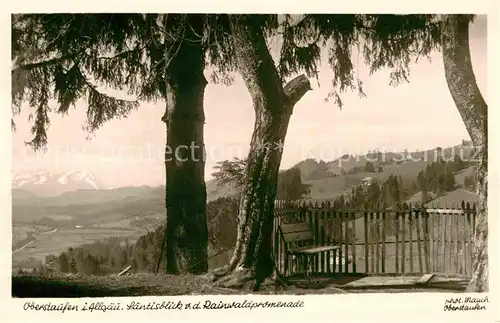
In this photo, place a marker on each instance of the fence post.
(335, 239)
(372, 243)
(474, 220)
(345, 225)
(275, 241)
(419, 243)
(465, 248)
(339, 219)
(439, 241)
(322, 236)
(432, 246)
(450, 239)
(403, 242)
(354, 245)
(427, 241)
(365, 216)
(396, 235)
(384, 234)
(377, 241)
(443, 239)
(410, 236)
(328, 237)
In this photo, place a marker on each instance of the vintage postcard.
(224, 166)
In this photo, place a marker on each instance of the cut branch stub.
(296, 89)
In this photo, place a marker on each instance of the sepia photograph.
(266, 154)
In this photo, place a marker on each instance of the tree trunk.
(187, 233)
(252, 260)
(474, 112)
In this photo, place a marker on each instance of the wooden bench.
(299, 241)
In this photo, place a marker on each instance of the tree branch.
(93, 87)
(56, 60)
(122, 53)
(32, 66)
(296, 89)
(255, 63)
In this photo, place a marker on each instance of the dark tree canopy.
(383, 41)
(56, 56)
(369, 167)
(66, 57)
(289, 186)
(230, 172)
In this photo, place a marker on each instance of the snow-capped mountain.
(44, 183)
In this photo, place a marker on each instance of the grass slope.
(69, 286)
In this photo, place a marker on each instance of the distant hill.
(88, 196)
(411, 160)
(327, 180)
(415, 198)
(346, 172)
(453, 199)
(44, 183)
(214, 191)
(330, 188)
(460, 176)
(20, 195)
(310, 169)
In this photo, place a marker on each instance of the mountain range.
(44, 183)
(326, 180)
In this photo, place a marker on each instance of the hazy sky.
(419, 115)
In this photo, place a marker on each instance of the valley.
(60, 240)
(48, 226)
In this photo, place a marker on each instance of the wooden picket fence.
(406, 240)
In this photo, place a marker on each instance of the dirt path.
(49, 232)
(24, 246)
(33, 235)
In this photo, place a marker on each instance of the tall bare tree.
(384, 41)
(474, 112)
(187, 231)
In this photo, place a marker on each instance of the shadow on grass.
(26, 286)
(66, 287)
